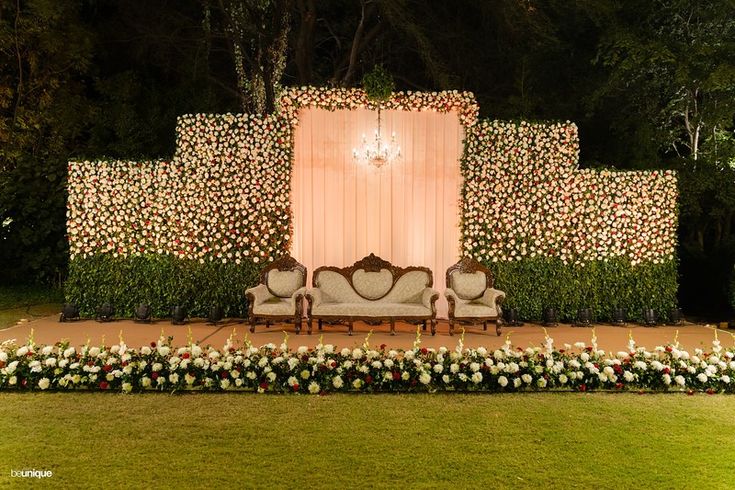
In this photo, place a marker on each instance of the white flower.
(224, 383)
(541, 382)
(305, 374)
(145, 381)
(702, 377)
(503, 381)
(173, 378)
(680, 380)
(314, 387)
(517, 382)
(476, 377)
(21, 351)
(425, 378)
(127, 387)
(563, 379)
(337, 382)
(725, 379)
(357, 383)
(527, 378)
(13, 380)
(438, 368)
(474, 367)
(50, 362)
(44, 383)
(628, 376)
(667, 379)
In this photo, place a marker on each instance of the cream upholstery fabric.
(336, 289)
(261, 293)
(276, 306)
(284, 283)
(468, 286)
(408, 288)
(482, 307)
(372, 285)
(375, 309)
(473, 309)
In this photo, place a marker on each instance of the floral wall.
(196, 229)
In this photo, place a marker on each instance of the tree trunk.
(305, 42)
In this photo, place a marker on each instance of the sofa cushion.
(473, 309)
(372, 285)
(371, 309)
(408, 288)
(275, 306)
(284, 283)
(468, 286)
(336, 289)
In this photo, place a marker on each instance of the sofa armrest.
(450, 295)
(299, 292)
(493, 298)
(314, 297)
(260, 294)
(429, 297)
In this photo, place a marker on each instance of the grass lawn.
(562, 440)
(28, 302)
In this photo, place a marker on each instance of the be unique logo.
(31, 473)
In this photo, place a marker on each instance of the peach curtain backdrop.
(406, 212)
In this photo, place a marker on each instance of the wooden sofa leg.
(392, 326)
(319, 323)
(498, 325)
(424, 325)
(349, 328)
(433, 326)
(451, 326)
(252, 325)
(484, 325)
(298, 325)
(308, 326)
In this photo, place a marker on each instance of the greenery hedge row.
(531, 285)
(161, 281)
(534, 284)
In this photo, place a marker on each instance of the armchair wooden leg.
(498, 325)
(267, 324)
(320, 324)
(433, 326)
(484, 325)
(349, 328)
(308, 326)
(451, 326)
(424, 325)
(392, 326)
(298, 325)
(252, 325)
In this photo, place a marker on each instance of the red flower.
(383, 346)
(667, 370)
(107, 368)
(396, 375)
(104, 385)
(710, 391)
(583, 387)
(424, 350)
(296, 387)
(24, 382)
(690, 392)
(333, 364)
(368, 379)
(186, 355)
(588, 348)
(619, 386)
(224, 374)
(154, 375)
(153, 345)
(668, 348)
(264, 385)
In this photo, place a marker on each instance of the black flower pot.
(178, 315)
(550, 317)
(650, 318)
(105, 313)
(143, 313)
(675, 316)
(584, 317)
(215, 314)
(619, 316)
(70, 311)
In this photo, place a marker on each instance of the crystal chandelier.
(377, 152)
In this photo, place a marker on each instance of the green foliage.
(378, 84)
(534, 284)
(160, 280)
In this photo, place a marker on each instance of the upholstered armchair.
(471, 296)
(280, 294)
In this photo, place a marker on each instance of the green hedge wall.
(160, 280)
(533, 284)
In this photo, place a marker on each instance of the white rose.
(425, 378)
(527, 378)
(44, 383)
(337, 382)
(680, 380)
(314, 387)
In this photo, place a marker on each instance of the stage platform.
(48, 330)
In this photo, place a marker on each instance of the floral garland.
(326, 369)
(523, 197)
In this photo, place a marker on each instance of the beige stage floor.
(612, 338)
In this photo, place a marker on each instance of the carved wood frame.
(285, 263)
(372, 263)
(470, 265)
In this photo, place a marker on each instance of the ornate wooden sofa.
(372, 290)
(280, 295)
(471, 296)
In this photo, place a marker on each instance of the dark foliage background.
(650, 84)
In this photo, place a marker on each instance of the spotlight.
(512, 317)
(70, 311)
(650, 318)
(143, 313)
(215, 315)
(584, 317)
(105, 313)
(178, 315)
(550, 317)
(619, 316)
(675, 315)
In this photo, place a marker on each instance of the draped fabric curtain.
(406, 212)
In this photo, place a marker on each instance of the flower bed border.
(325, 369)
